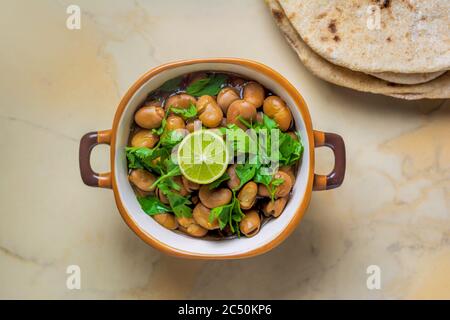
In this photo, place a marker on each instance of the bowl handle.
(336, 177)
(87, 143)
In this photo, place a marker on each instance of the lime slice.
(202, 156)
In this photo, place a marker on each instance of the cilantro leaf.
(142, 157)
(239, 138)
(217, 182)
(171, 85)
(175, 171)
(171, 138)
(207, 86)
(269, 123)
(273, 187)
(261, 176)
(179, 204)
(222, 214)
(229, 214)
(245, 122)
(188, 113)
(159, 131)
(290, 149)
(245, 172)
(151, 205)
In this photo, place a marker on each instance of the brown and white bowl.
(273, 232)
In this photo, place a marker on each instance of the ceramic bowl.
(273, 232)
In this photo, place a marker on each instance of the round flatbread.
(408, 78)
(375, 35)
(435, 89)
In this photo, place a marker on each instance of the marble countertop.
(393, 210)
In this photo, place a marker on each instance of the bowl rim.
(299, 103)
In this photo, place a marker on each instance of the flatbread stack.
(399, 48)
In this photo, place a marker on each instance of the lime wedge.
(202, 156)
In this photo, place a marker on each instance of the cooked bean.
(162, 197)
(254, 93)
(185, 221)
(201, 216)
(189, 185)
(142, 179)
(174, 122)
(241, 108)
(144, 138)
(181, 100)
(189, 226)
(280, 191)
(284, 188)
(290, 171)
(250, 224)
(275, 108)
(209, 112)
(247, 195)
(194, 230)
(193, 125)
(195, 199)
(225, 97)
(214, 198)
(234, 181)
(149, 117)
(167, 220)
(142, 193)
(190, 126)
(275, 208)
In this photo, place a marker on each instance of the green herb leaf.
(159, 131)
(171, 138)
(179, 204)
(151, 205)
(245, 172)
(229, 214)
(141, 157)
(261, 176)
(240, 139)
(277, 182)
(222, 214)
(273, 187)
(218, 182)
(207, 86)
(245, 122)
(290, 149)
(188, 113)
(169, 184)
(269, 123)
(171, 173)
(197, 86)
(171, 85)
(236, 215)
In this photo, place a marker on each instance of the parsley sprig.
(207, 86)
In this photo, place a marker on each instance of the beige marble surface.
(392, 211)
